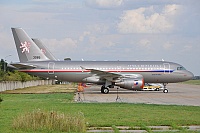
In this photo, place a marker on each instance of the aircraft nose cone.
(189, 75)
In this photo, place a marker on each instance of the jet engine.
(131, 83)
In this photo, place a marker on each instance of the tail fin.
(26, 48)
(44, 49)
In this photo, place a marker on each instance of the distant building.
(196, 78)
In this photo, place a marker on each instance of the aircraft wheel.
(165, 91)
(102, 89)
(105, 90)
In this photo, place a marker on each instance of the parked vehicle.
(152, 87)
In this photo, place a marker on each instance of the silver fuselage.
(72, 71)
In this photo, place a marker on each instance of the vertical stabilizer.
(44, 49)
(27, 50)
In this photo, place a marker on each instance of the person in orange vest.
(80, 87)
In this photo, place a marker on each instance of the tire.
(165, 91)
(102, 89)
(105, 90)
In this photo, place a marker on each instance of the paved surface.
(139, 130)
(179, 94)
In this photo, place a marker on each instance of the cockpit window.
(181, 68)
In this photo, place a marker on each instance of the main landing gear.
(104, 90)
(165, 89)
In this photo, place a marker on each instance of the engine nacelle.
(131, 83)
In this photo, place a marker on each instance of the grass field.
(96, 114)
(192, 82)
(63, 88)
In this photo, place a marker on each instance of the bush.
(24, 76)
(2, 75)
(50, 121)
(12, 77)
(16, 76)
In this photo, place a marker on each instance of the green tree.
(10, 76)
(1, 75)
(16, 76)
(2, 64)
(24, 76)
(13, 75)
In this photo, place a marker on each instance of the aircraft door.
(51, 66)
(166, 68)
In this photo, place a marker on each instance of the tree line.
(10, 74)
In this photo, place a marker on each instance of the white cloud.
(170, 9)
(63, 45)
(7, 47)
(6, 40)
(92, 39)
(167, 46)
(104, 3)
(92, 33)
(145, 43)
(85, 33)
(110, 44)
(51, 1)
(98, 28)
(148, 20)
(186, 48)
(1, 27)
(94, 45)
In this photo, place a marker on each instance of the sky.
(125, 30)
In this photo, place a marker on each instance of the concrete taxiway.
(179, 94)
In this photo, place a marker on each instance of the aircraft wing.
(110, 76)
(103, 74)
(23, 66)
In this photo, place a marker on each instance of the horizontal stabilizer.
(23, 66)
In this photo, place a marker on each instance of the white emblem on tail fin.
(26, 46)
(43, 51)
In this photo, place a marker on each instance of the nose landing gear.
(165, 89)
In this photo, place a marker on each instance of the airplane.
(124, 74)
(44, 49)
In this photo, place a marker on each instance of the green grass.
(50, 121)
(192, 82)
(96, 114)
(17, 104)
(44, 89)
(181, 131)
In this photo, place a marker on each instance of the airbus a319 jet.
(125, 74)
